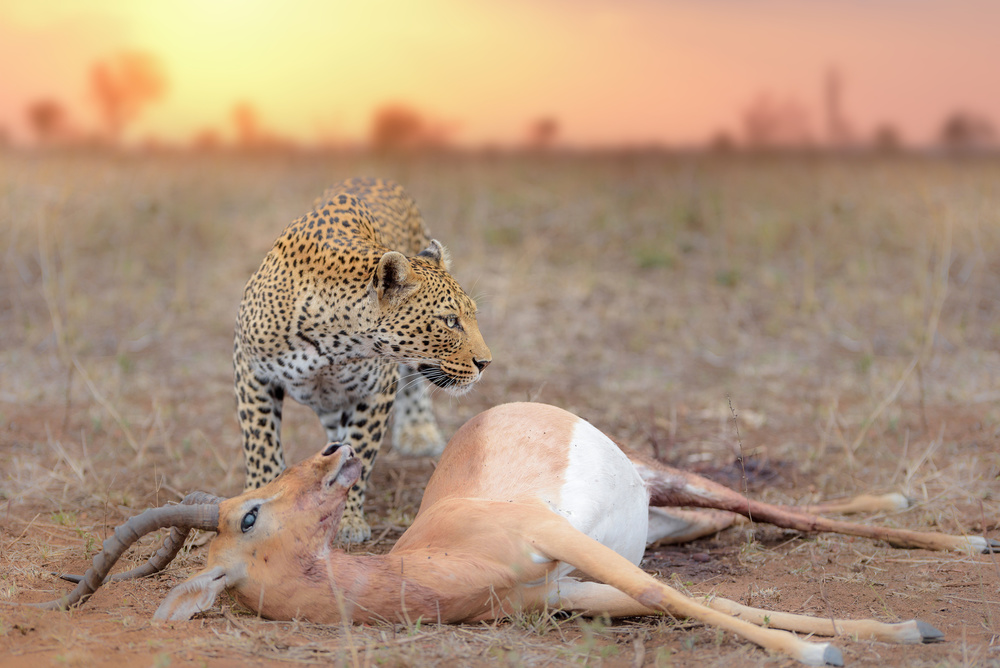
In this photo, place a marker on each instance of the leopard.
(355, 314)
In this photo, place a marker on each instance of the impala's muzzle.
(344, 468)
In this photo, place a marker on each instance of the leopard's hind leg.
(414, 429)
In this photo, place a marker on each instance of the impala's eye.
(451, 321)
(249, 519)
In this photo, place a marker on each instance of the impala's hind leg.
(863, 503)
(670, 526)
(669, 486)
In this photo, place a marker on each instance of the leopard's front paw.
(353, 529)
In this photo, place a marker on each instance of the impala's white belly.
(602, 494)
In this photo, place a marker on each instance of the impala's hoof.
(833, 656)
(897, 502)
(818, 654)
(69, 577)
(928, 633)
(976, 544)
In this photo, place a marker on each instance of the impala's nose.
(332, 448)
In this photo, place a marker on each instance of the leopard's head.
(427, 320)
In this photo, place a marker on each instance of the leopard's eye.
(451, 321)
(249, 519)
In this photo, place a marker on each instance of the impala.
(524, 495)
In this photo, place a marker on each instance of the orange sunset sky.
(611, 72)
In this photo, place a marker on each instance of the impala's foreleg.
(673, 487)
(906, 633)
(593, 598)
(681, 525)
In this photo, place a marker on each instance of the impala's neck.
(319, 588)
(394, 588)
(399, 587)
(359, 588)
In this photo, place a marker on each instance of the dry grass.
(846, 309)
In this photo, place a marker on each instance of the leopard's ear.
(394, 279)
(437, 254)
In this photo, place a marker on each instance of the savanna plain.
(798, 328)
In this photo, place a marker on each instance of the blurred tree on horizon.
(207, 139)
(48, 120)
(887, 139)
(770, 124)
(247, 124)
(396, 127)
(123, 86)
(542, 133)
(400, 128)
(964, 131)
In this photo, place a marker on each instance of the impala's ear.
(394, 279)
(437, 254)
(194, 595)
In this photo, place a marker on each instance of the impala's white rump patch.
(602, 494)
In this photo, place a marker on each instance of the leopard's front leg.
(258, 409)
(362, 426)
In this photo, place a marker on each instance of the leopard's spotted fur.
(352, 294)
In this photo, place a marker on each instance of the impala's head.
(272, 536)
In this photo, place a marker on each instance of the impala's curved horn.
(198, 511)
(171, 545)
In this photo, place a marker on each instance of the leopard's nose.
(481, 364)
